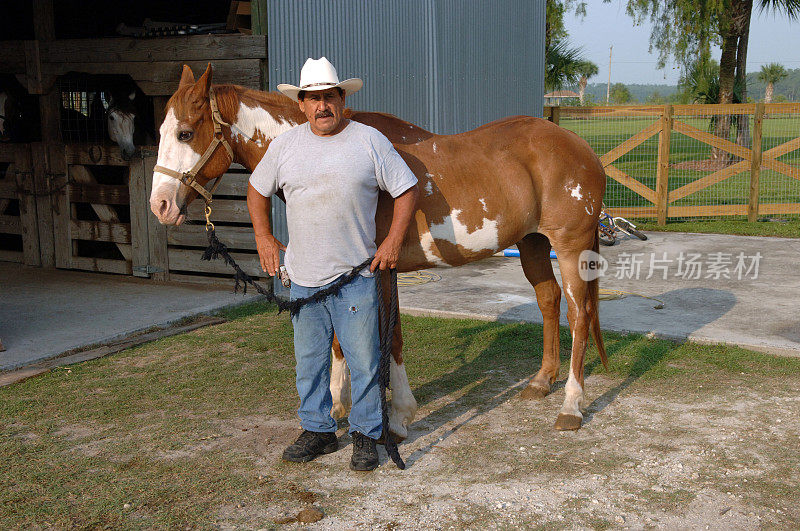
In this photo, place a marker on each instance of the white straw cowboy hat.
(319, 74)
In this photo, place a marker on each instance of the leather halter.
(189, 178)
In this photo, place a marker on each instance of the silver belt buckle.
(284, 276)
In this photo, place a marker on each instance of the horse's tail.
(594, 297)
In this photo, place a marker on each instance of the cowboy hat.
(319, 74)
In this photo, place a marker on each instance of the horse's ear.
(187, 77)
(203, 84)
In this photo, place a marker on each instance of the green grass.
(603, 134)
(786, 228)
(139, 427)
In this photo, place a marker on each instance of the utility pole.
(608, 86)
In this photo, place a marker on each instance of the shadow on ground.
(514, 356)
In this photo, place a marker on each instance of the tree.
(586, 69)
(771, 74)
(620, 94)
(561, 65)
(655, 99)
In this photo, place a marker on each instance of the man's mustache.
(324, 114)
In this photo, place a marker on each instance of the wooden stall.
(81, 205)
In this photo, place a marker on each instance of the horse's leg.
(534, 253)
(340, 382)
(582, 308)
(404, 405)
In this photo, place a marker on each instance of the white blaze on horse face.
(454, 231)
(120, 130)
(253, 120)
(404, 405)
(177, 156)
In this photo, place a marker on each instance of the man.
(330, 170)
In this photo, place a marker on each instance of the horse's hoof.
(338, 412)
(395, 437)
(534, 392)
(568, 422)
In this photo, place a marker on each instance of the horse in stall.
(19, 112)
(129, 118)
(519, 180)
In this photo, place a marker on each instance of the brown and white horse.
(520, 180)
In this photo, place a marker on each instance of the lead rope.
(387, 324)
(217, 249)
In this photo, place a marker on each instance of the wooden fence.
(664, 197)
(19, 234)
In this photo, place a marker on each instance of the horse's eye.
(112, 117)
(185, 136)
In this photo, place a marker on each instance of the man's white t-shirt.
(331, 188)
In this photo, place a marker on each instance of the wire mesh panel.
(719, 160)
(82, 113)
(779, 179)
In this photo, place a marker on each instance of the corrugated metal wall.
(446, 65)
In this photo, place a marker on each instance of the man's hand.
(268, 248)
(387, 255)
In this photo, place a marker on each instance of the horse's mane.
(282, 107)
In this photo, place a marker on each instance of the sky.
(772, 39)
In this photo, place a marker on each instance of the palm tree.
(561, 65)
(586, 69)
(771, 74)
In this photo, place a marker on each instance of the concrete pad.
(761, 313)
(44, 313)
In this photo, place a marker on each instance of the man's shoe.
(309, 445)
(365, 455)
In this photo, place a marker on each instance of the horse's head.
(121, 117)
(10, 115)
(186, 134)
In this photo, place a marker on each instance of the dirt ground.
(721, 455)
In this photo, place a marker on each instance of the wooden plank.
(187, 48)
(96, 155)
(100, 231)
(662, 173)
(33, 68)
(8, 188)
(10, 225)
(140, 209)
(102, 265)
(230, 210)
(631, 143)
(195, 235)
(161, 78)
(712, 140)
(8, 151)
(61, 211)
(707, 210)
(11, 256)
(27, 208)
(43, 20)
(156, 232)
(780, 167)
(781, 108)
(629, 182)
(189, 260)
(779, 208)
(12, 57)
(40, 157)
(81, 175)
(233, 184)
(101, 194)
(755, 164)
(714, 109)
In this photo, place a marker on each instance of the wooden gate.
(19, 238)
(100, 215)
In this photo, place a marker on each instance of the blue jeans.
(353, 315)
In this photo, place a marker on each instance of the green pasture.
(603, 134)
(144, 438)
